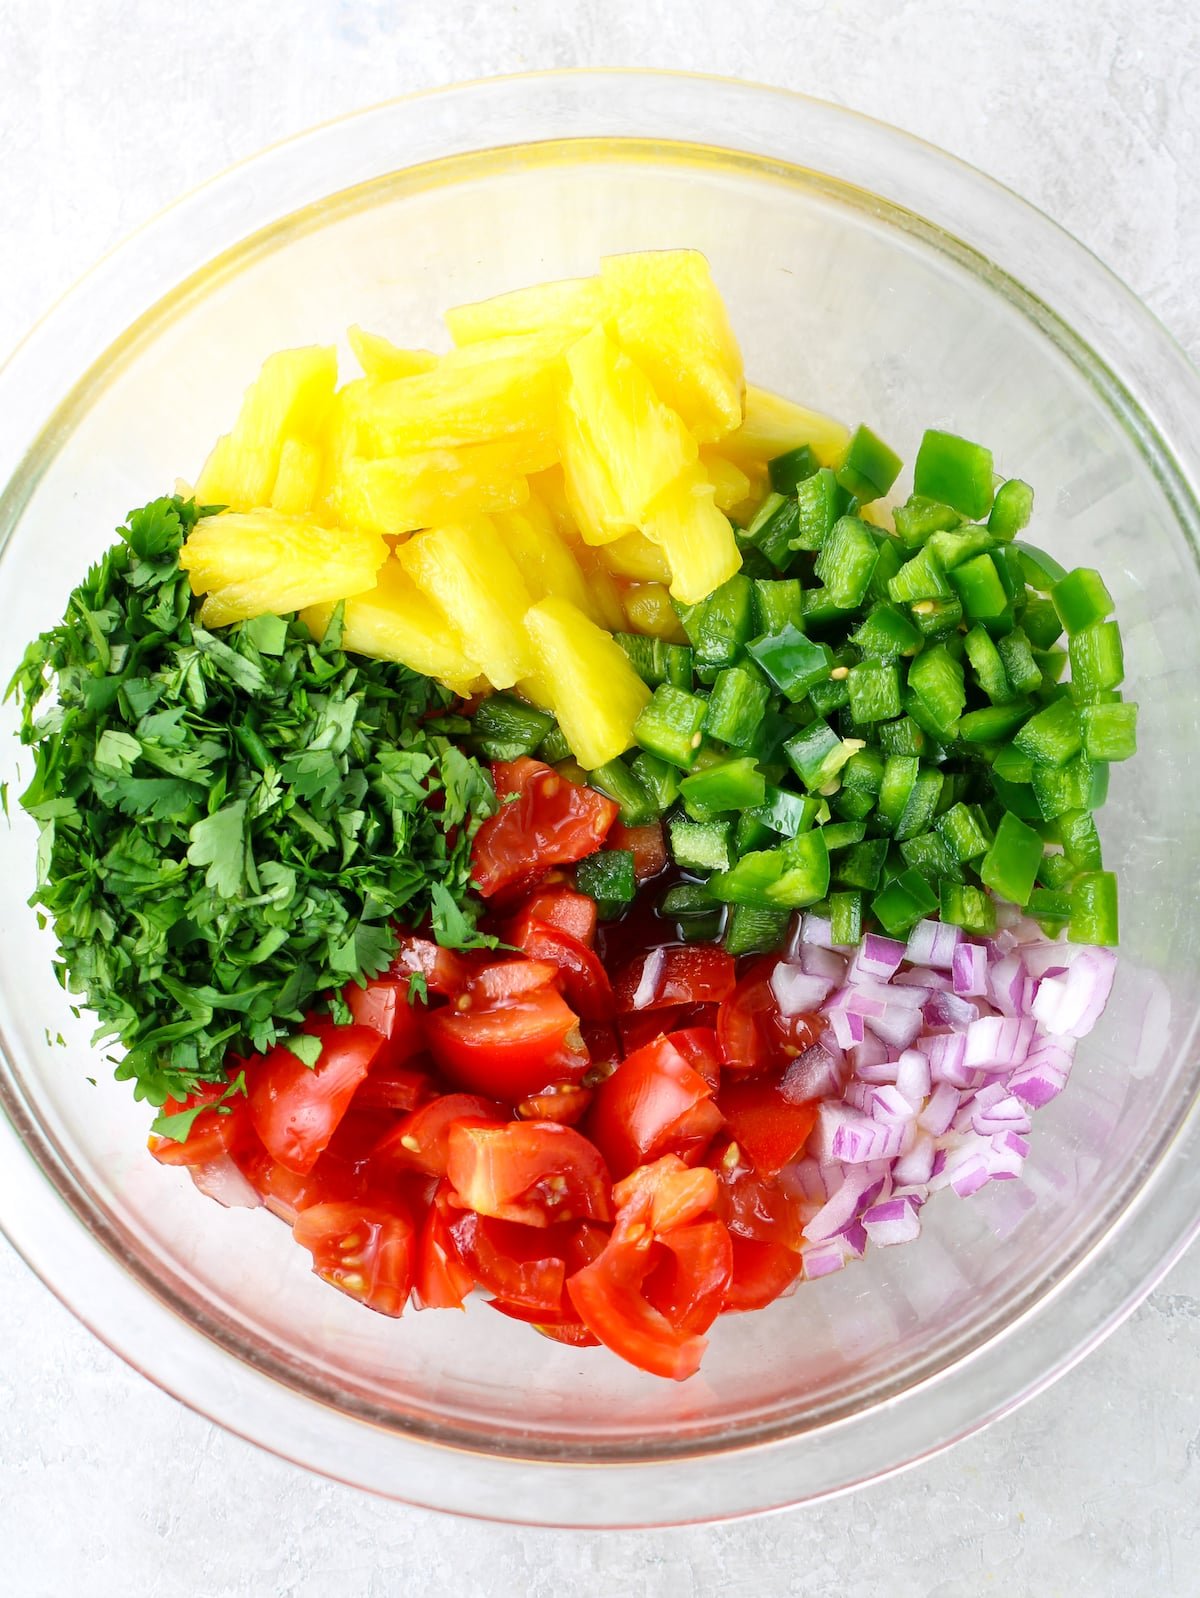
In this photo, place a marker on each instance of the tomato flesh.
(686, 974)
(767, 1127)
(383, 1006)
(534, 1172)
(647, 846)
(641, 1110)
(295, 1108)
(212, 1134)
(753, 1034)
(565, 909)
(550, 822)
(421, 1141)
(584, 980)
(362, 1251)
(509, 1048)
(760, 1273)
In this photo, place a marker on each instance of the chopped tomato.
(508, 1047)
(442, 1280)
(666, 1193)
(294, 1108)
(508, 979)
(646, 844)
(761, 1272)
(396, 1087)
(681, 974)
(213, 1132)
(639, 1027)
(565, 909)
(755, 1206)
(642, 1110)
(571, 1332)
(445, 972)
(754, 1035)
(689, 1285)
(519, 1264)
(363, 1251)
(534, 1172)
(383, 1006)
(564, 1102)
(603, 1046)
(584, 980)
(768, 1128)
(551, 822)
(421, 1141)
(699, 1047)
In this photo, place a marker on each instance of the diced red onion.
(893, 1221)
(890, 1106)
(820, 962)
(855, 1238)
(825, 1257)
(1050, 959)
(969, 971)
(1044, 1073)
(843, 1203)
(940, 1111)
(1006, 980)
(947, 1053)
(920, 976)
(877, 959)
(811, 1075)
(997, 1041)
(913, 1078)
(1007, 1156)
(1006, 1114)
(1070, 1005)
(897, 1026)
(846, 1134)
(220, 1179)
(933, 943)
(947, 1009)
(798, 992)
(818, 930)
(650, 981)
(915, 1167)
(848, 1028)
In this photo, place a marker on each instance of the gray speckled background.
(110, 108)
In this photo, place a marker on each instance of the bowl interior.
(848, 305)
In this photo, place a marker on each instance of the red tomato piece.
(295, 1108)
(565, 909)
(510, 979)
(519, 1264)
(421, 1141)
(637, 1111)
(639, 1027)
(754, 1036)
(603, 1046)
(761, 1272)
(678, 974)
(383, 1006)
(551, 822)
(699, 1047)
(647, 846)
(564, 1102)
(533, 1172)
(768, 1129)
(396, 1087)
(363, 1251)
(690, 1284)
(755, 1206)
(510, 1048)
(442, 1281)
(445, 972)
(213, 1133)
(584, 980)
(571, 1332)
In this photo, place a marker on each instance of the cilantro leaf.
(305, 1047)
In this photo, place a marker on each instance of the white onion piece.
(220, 1179)
(796, 991)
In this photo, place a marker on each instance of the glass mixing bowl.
(870, 276)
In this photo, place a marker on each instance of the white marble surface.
(109, 108)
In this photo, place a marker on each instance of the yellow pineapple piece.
(648, 609)
(641, 443)
(773, 424)
(536, 689)
(604, 597)
(290, 398)
(403, 492)
(256, 562)
(298, 480)
(635, 557)
(341, 436)
(596, 694)
(588, 489)
(731, 485)
(549, 488)
(396, 621)
(468, 572)
(694, 536)
(545, 562)
(569, 306)
(664, 310)
(382, 360)
(463, 401)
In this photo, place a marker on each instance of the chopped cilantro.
(230, 825)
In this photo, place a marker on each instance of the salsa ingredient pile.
(536, 821)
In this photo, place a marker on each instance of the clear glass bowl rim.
(43, 1211)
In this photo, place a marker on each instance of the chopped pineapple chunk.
(543, 559)
(595, 693)
(634, 556)
(461, 403)
(694, 536)
(604, 597)
(290, 398)
(570, 306)
(256, 562)
(773, 425)
(648, 609)
(395, 621)
(298, 480)
(641, 443)
(664, 310)
(467, 571)
(382, 360)
(731, 486)
(403, 492)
